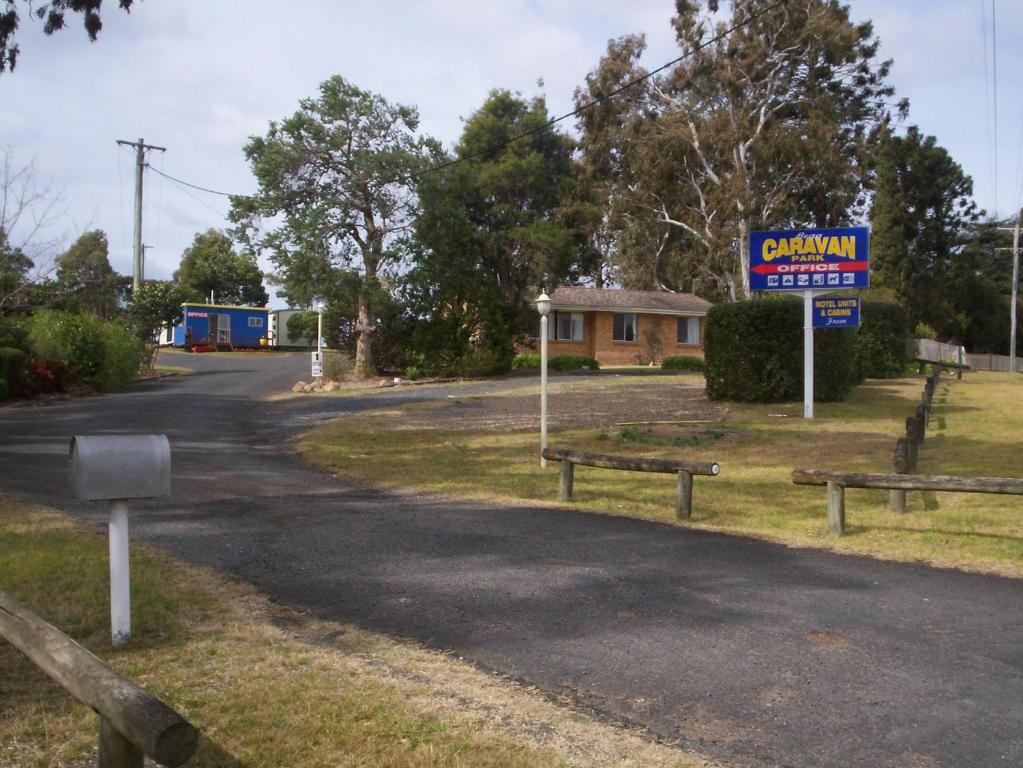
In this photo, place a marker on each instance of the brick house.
(620, 327)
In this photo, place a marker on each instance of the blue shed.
(221, 326)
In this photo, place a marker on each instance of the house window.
(255, 322)
(688, 330)
(624, 326)
(569, 326)
(534, 331)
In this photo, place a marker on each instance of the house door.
(220, 330)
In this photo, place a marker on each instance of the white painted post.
(319, 341)
(120, 580)
(808, 354)
(543, 389)
(543, 306)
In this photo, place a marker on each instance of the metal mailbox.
(105, 467)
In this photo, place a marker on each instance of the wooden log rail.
(837, 482)
(133, 722)
(684, 470)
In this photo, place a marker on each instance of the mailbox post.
(114, 469)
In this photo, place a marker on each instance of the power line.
(600, 99)
(994, 71)
(194, 186)
(553, 121)
(987, 94)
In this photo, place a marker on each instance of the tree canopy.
(211, 265)
(922, 217)
(337, 180)
(767, 125)
(85, 280)
(495, 226)
(52, 13)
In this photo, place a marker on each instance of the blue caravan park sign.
(810, 259)
(836, 312)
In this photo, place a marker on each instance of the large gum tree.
(768, 125)
(336, 195)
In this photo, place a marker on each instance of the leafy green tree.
(770, 125)
(922, 218)
(304, 325)
(211, 265)
(496, 225)
(85, 280)
(154, 305)
(52, 12)
(338, 176)
(14, 269)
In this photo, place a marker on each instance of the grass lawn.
(976, 429)
(264, 685)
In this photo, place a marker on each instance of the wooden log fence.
(684, 471)
(907, 449)
(837, 482)
(133, 722)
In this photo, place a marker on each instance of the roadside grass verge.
(266, 686)
(976, 430)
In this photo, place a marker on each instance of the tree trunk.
(364, 328)
(744, 256)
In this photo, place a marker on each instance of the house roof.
(618, 300)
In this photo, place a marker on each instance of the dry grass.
(267, 686)
(976, 430)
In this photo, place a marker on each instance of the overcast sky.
(201, 77)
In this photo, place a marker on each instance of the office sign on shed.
(810, 259)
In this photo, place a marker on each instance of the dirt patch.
(587, 405)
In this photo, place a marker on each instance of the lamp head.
(543, 304)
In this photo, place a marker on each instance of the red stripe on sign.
(809, 267)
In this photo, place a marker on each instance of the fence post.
(836, 508)
(115, 751)
(900, 466)
(684, 501)
(565, 481)
(911, 439)
(921, 423)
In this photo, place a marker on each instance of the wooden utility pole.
(1015, 290)
(140, 164)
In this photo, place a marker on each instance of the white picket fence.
(940, 352)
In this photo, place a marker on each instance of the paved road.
(750, 652)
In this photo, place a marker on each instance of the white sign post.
(317, 364)
(808, 354)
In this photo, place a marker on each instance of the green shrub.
(924, 331)
(13, 333)
(753, 352)
(682, 363)
(882, 342)
(525, 362)
(568, 363)
(412, 373)
(336, 364)
(480, 361)
(103, 355)
(12, 363)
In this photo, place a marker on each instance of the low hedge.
(682, 363)
(567, 363)
(883, 340)
(525, 362)
(753, 352)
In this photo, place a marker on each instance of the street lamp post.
(543, 306)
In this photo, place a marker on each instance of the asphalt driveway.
(749, 652)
